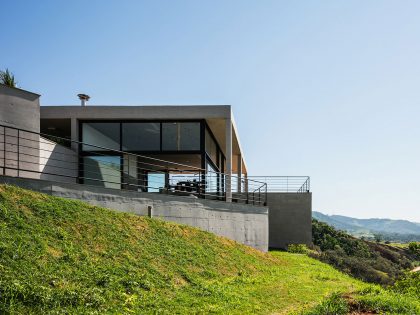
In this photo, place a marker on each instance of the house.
(183, 163)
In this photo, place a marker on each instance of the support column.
(228, 160)
(239, 173)
(74, 134)
(246, 187)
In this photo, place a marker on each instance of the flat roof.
(215, 116)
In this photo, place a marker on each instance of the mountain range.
(391, 229)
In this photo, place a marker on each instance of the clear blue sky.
(329, 89)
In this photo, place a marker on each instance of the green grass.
(66, 257)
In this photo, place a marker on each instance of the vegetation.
(298, 249)
(7, 78)
(59, 256)
(414, 248)
(368, 261)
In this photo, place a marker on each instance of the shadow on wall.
(56, 162)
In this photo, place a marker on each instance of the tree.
(7, 78)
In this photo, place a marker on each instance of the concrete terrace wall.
(19, 109)
(290, 219)
(245, 224)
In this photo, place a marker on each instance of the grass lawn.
(60, 256)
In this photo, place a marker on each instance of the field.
(60, 256)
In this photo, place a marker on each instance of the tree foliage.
(7, 78)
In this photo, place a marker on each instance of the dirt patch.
(56, 253)
(355, 308)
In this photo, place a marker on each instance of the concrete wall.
(20, 109)
(245, 224)
(57, 159)
(290, 219)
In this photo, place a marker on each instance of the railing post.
(4, 150)
(266, 194)
(18, 154)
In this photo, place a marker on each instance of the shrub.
(409, 284)
(334, 305)
(297, 248)
(414, 248)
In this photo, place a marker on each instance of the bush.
(297, 248)
(334, 305)
(409, 284)
(414, 248)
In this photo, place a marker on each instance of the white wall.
(57, 159)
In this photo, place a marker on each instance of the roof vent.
(83, 98)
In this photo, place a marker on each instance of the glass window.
(155, 182)
(211, 147)
(106, 135)
(181, 136)
(212, 178)
(102, 171)
(141, 136)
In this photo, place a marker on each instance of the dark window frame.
(205, 157)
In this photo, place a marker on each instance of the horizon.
(327, 89)
(371, 218)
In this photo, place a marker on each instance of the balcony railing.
(29, 154)
(285, 184)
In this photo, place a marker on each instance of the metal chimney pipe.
(83, 98)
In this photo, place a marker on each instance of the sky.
(329, 89)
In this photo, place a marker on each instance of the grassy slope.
(59, 256)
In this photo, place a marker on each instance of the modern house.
(154, 144)
(181, 163)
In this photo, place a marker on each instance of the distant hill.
(393, 230)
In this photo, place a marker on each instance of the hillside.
(62, 256)
(393, 230)
(365, 260)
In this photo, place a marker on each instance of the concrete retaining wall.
(290, 219)
(245, 224)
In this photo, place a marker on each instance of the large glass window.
(102, 171)
(106, 135)
(179, 136)
(212, 178)
(155, 182)
(211, 147)
(141, 136)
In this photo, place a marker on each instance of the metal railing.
(285, 184)
(29, 154)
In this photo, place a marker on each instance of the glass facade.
(212, 179)
(102, 171)
(101, 134)
(211, 147)
(179, 141)
(181, 136)
(141, 136)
